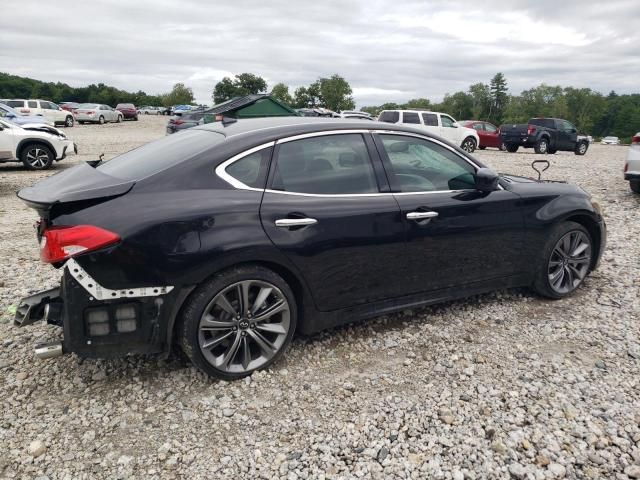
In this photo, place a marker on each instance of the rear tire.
(469, 145)
(37, 156)
(581, 148)
(542, 146)
(502, 147)
(228, 329)
(101, 120)
(511, 148)
(635, 186)
(564, 262)
(68, 122)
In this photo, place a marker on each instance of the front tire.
(635, 186)
(581, 148)
(37, 156)
(542, 146)
(68, 122)
(502, 147)
(240, 321)
(468, 145)
(564, 262)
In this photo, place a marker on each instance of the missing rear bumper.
(33, 308)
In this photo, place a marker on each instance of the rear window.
(410, 117)
(15, 103)
(125, 105)
(157, 156)
(389, 117)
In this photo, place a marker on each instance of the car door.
(448, 129)
(48, 112)
(482, 135)
(456, 235)
(7, 142)
(491, 135)
(567, 135)
(326, 209)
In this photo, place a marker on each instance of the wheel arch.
(34, 141)
(588, 222)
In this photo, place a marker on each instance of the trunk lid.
(75, 186)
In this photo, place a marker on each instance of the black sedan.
(230, 237)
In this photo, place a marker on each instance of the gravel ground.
(496, 386)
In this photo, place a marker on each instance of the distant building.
(249, 106)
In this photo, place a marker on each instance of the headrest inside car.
(399, 147)
(349, 159)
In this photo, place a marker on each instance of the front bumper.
(632, 176)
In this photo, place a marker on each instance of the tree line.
(592, 112)
(13, 86)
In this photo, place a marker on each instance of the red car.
(489, 134)
(69, 106)
(128, 110)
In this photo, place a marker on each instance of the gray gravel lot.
(498, 386)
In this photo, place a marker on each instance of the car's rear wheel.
(37, 156)
(469, 145)
(68, 122)
(551, 151)
(581, 148)
(101, 120)
(240, 321)
(565, 261)
(635, 186)
(542, 146)
(502, 147)
(512, 148)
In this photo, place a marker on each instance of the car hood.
(527, 186)
(43, 127)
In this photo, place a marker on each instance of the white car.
(436, 123)
(37, 146)
(610, 141)
(149, 111)
(632, 165)
(49, 110)
(97, 113)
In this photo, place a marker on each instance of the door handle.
(295, 222)
(421, 215)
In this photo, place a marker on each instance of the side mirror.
(455, 125)
(486, 180)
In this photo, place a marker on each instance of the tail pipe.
(49, 350)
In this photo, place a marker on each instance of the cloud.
(387, 51)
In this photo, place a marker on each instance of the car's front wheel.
(635, 186)
(565, 261)
(37, 156)
(511, 148)
(581, 148)
(68, 122)
(240, 321)
(469, 145)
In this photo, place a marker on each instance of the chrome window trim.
(320, 134)
(234, 182)
(380, 194)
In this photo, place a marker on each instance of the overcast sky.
(388, 50)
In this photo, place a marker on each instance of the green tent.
(249, 106)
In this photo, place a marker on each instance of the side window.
(330, 164)
(478, 126)
(420, 165)
(252, 169)
(430, 119)
(32, 104)
(46, 105)
(566, 126)
(389, 117)
(410, 117)
(447, 121)
(490, 128)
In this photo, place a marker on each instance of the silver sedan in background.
(97, 113)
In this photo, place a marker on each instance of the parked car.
(37, 146)
(128, 110)
(356, 115)
(544, 135)
(166, 111)
(69, 106)
(10, 114)
(610, 141)
(488, 133)
(149, 111)
(436, 123)
(49, 110)
(97, 113)
(228, 238)
(632, 165)
(184, 121)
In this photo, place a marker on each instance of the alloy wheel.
(69, 122)
(582, 148)
(37, 157)
(569, 262)
(244, 326)
(469, 145)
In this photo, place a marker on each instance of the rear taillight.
(635, 140)
(60, 243)
(25, 110)
(530, 129)
(177, 121)
(90, 113)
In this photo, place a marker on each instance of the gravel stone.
(524, 398)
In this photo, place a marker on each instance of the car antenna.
(533, 165)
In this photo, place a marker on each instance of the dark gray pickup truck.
(545, 135)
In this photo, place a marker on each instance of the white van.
(436, 123)
(49, 110)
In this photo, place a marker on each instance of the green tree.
(335, 93)
(418, 104)
(179, 95)
(224, 90)
(243, 84)
(499, 96)
(280, 91)
(480, 94)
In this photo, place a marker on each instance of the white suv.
(37, 146)
(436, 123)
(632, 165)
(49, 110)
